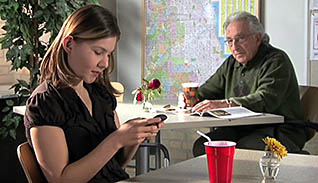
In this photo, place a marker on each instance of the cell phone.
(134, 119)
(161, 116)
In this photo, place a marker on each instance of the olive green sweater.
(266, 84)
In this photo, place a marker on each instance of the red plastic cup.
(220, 157)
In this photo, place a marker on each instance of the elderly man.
(258, 77)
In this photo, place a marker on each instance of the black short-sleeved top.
(62, 107)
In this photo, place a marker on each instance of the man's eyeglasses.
(238, 39)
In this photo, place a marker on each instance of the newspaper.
(228, 113)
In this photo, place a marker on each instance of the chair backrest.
(120, 87)
(29, 164)
(309, 101)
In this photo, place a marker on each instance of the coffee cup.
(190, 91)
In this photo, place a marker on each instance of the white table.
(19, 110)
(293, 169)
(128, 111)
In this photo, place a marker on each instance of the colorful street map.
(184, 39)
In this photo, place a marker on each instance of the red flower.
(147, 91)
(139, 97)
(155, 84)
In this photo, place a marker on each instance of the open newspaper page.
(229, 113)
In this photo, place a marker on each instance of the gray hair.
(252, 20)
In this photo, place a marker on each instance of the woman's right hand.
(135, 131)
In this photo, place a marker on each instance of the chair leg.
(160, 147)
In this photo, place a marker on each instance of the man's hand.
(212, 104)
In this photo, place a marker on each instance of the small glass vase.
(269, 165)
(147, 106)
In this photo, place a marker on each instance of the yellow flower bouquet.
(275, 147)
(269, 163)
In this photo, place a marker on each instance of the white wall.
(111, 5)
(286, 23)
(129, 52)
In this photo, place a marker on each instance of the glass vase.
(147, 106)
(269, 165)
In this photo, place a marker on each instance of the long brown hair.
(91, 22)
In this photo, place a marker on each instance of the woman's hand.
(209, 105)
(137, 130)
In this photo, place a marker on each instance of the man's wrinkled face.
(242, 42)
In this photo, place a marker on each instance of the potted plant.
(30, 26)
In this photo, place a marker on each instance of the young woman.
(70, 119)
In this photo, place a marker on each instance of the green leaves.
(3, 132)
(10, 121)
(23, 83)
(10, 103)
(22, 88)
(13, 133)
(38, 14)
